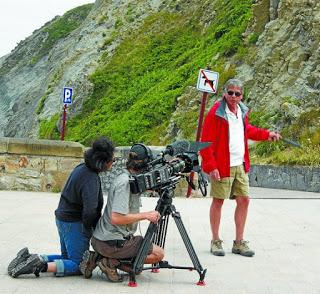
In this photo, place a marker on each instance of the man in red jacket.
(227, 162)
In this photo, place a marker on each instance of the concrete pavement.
(284, 230)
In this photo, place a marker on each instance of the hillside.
(133, 65)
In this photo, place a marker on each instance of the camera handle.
(156, 233)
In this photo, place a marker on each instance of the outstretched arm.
(130, 218)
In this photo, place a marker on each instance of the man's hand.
(274, 136)
(130, 218)
(215, 175)
(152, 216)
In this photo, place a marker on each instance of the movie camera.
(173, 163)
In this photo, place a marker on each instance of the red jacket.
(216, 130)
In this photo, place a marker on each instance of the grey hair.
(232, 82)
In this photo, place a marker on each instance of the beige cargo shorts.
(230, 187)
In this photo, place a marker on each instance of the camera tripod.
(156, 233)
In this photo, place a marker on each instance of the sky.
(19, 18)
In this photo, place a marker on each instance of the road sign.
(67, 95)
(207, 81)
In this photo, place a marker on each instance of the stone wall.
(299, 178)
(43, 165)
(37, 165)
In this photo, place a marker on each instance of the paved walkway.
(284, 230)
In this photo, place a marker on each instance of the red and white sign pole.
(64, 119)
(199, 129)
(67, 99)
(207, 82)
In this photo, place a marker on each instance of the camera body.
(163, 172)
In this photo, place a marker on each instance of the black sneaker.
(33, 265)
(22, 255)
(88, 263)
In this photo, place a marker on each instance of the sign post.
(67, 99)
(207, 83)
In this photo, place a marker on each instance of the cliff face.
(29, 76)
(281, 70)
(286, 58)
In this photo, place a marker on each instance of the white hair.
(233, 82)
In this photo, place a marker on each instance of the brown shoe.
(88, 263)
(108, 266)
(127, 268)
(216, 248)
(242, 248)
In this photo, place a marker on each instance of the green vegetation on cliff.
(61, 28)
(136, 90)
(305, 130)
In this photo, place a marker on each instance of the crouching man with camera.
(113, 238)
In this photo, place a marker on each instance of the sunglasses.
(237, 94)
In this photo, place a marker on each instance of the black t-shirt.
(81, 198)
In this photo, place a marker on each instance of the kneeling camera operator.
(113, 239)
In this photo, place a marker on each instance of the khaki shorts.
(235, 185)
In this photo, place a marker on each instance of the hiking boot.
(128, 268)
(33, 265)
(242, 248)
(216, 248)
(22, 255)
(125, 268)
(88, 263)
(108, 266)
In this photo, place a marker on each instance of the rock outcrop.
(285, 63)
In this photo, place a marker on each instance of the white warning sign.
(207, 81)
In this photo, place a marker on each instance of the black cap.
(143, 152)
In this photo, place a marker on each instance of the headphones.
(143, 152)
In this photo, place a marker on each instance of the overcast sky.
(19, 18)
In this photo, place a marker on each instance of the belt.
(118, 243)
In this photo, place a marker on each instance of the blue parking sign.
(67, 95)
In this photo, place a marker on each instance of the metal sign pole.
(64, 118)
(199, 129)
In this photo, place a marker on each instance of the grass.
(136, 90)
(307, 155)
(61, 28)
(305, 130)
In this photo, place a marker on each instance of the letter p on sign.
(67, 95)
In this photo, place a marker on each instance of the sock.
(44, 268)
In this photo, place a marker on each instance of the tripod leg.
(142, 253)
(162, 208)
(187, 242)
(160, 237)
